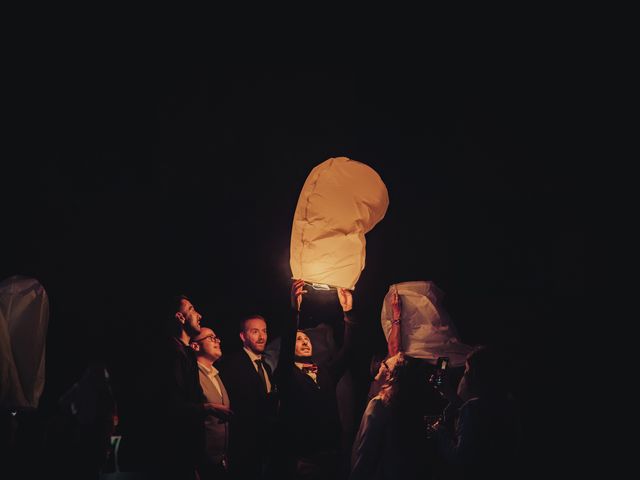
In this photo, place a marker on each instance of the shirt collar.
(210, 371)
(252, 355)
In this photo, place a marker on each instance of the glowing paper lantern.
(427, 330)
(340, 202)
(24, 317)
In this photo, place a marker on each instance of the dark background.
(131, 177)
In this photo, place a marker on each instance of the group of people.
(232, 417)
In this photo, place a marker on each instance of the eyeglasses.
(212, 338)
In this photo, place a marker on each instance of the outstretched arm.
(341, 361)
(288, 338)
(394, 346)
(395, 339)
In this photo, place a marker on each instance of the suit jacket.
(177, 424)
(216, 432)
(309, 417)
(254, 410)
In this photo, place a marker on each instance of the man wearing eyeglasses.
(206, 346)
(177, 407)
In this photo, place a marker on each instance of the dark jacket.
(177, 426)
(309, 419)
(254, 410)
(484, 442)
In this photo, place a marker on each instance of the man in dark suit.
(309, 438)
(175, 406)
(250, 386)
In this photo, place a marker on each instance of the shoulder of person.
(234, 364)
(169, 350)
(473, 406)
(376, 406)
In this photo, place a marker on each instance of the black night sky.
(133, 178)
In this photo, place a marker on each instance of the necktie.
(261, 374)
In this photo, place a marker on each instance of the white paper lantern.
(24, 318)
(340, 202)
(427, 331)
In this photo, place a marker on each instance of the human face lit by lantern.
(207, 344)
(189, 317)
(254, 335)
(303, 345)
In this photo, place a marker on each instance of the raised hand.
(297, 290)
(346, 299)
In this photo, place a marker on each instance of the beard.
(192, 328)
(257, 347)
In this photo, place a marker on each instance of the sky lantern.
(427, 329)
(340, 202)
(24, 318)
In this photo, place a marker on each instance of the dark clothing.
(254, 414)
(309, 421)
(176, 427)
(309, 411)
(213, 471)
(390, 443)
(484, 441)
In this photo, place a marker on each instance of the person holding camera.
(478, 436)
(391, 441)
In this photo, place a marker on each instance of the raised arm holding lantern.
(311, 428)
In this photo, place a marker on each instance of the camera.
(431, 424)
(437, 378)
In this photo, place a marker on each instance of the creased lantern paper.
(24, 317)
(427, 330)
(340, 202)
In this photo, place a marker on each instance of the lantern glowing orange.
(340, 202)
